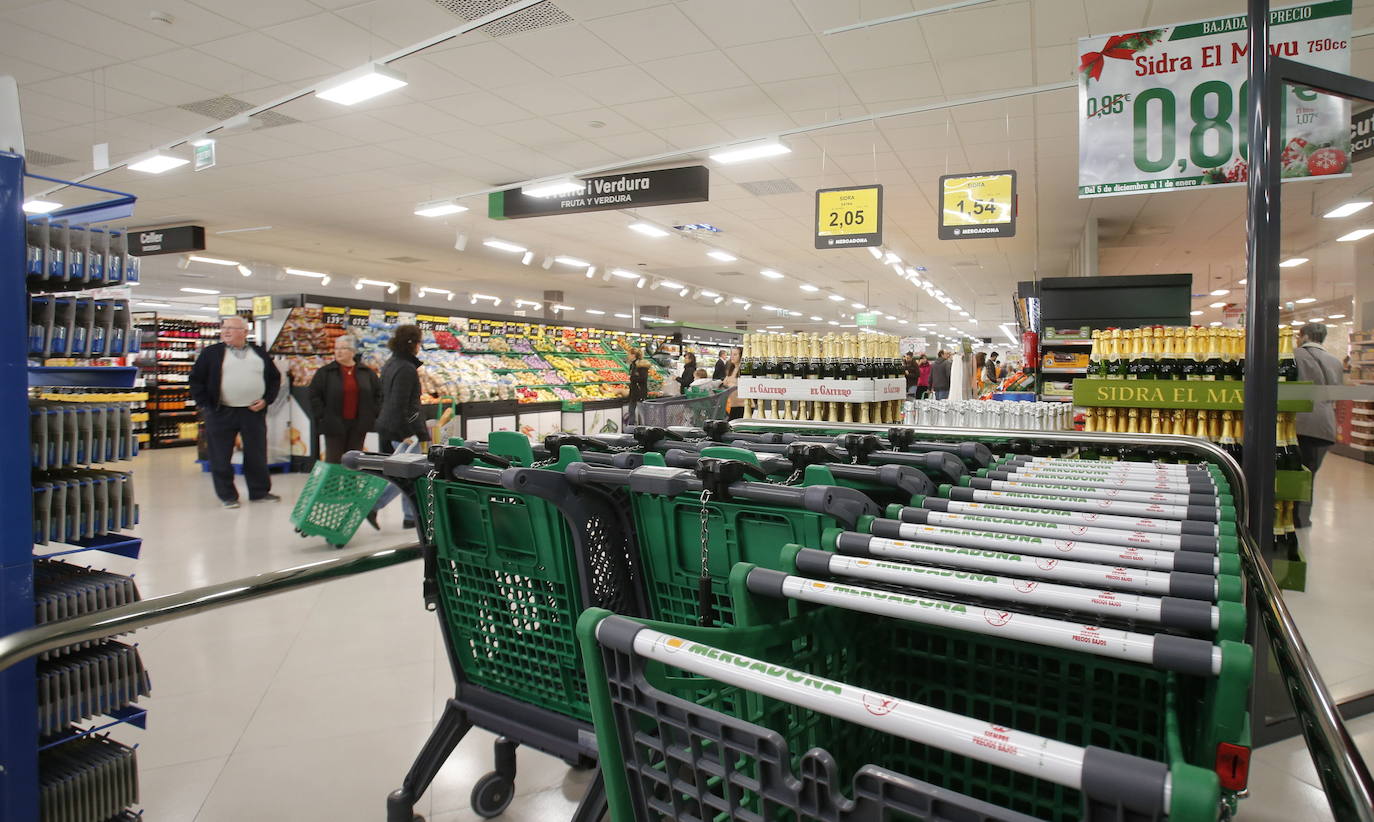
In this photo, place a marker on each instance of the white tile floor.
(311, 705)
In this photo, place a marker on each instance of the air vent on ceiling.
(217, 108)
(404, 259)
(766, 188)
(42, 159)
(538, 16)
(272, 119)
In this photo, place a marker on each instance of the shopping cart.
(512, 557)
(334, 502)
(889, 704)
(685, 410)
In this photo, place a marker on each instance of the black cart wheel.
(492, 795)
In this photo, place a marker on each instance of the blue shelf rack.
(19, 739)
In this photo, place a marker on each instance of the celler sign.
(175, 240)
(689, 184)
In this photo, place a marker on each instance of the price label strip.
(1166, 108)
(849, 217)
(977, 206)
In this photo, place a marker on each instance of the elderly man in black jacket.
(232, 383)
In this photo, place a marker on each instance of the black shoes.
(372, 520)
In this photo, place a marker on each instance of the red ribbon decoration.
(1093, 61)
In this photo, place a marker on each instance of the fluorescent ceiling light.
(155, 305)
(832, 322)
(361, 84)
(723, 256)
(774, 326)
(1357, 234)
(739, 301)
(303, 273)
(209, 308)
(1347, 209)
(572, 261)
(1243, 281)
(439, 208)
(1289, 263)
(554, 188)
(771, 308)
(706, 292)
(502, 245)
(196, 258)
(528, 258)
(1336, 317)
(1215, 323)
(591, 271)
(1221, 292)
(1315, 319)
(1306, 300)
(809, 287)
(245, 270)
(530, 303)
(40, 206)
(157, 163)
(190, 290)
(964, 313)
(1296, 322)
(876, 252)
(834, 298)
(390, 287)
(1196, 312)
(670, 285)
(857, 306)
(815, 319)
(561, 307)
(1010, 336)
(771, 274)
(595, 311)
(850, 325)
(794, 313)
(903, 322)
(753, 150)
(642, 281)
(890, 317)
(648, 229)
(1216, 305)
(891, 257)
(623, 274)
(625, 316)
(495, 301)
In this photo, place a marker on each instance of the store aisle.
(311, 705)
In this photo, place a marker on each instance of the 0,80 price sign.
(849, 217)
(1168, 108)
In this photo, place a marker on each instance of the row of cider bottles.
(1224, 428)
(822, 357)
(1156, 352)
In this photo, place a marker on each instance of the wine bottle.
(746, 369)
(1149, 353)
(1290, 533)
(1213, 368)
(1187, 363)
(1095, 356)
(1288, 367)
(1130, 355)
(1168, 356)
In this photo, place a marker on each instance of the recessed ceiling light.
(624, 316)
(157, 163)
(1357, 234)
(623, 274)
(554, 188)
(390, 287)
(858, 306)
(502, 245)
(1306, 300)
(155, 305)
(572, 261)
(1289, 263)
(361, 84)
(1196, 312)
(774, 326)
(832, 322)
(794, 313)
(1347, 209)
(670, 285)
(495, 301)
(834, 298)
(1336, 317)
(770, 308)
(595, 311)
(190, 290)
(439, 208)
(816, 319)
(739, 301)
(1221, 292)
(1314, 319)
(40, 206)
(723, 256)
(903, 322)
(753, 150)
(648, 229)
(771, 274)
(1216, 305)
(561, 307)
(706, 292)
(196, 258)
(809, 287)
(1296, 322)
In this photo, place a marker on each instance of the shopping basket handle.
(400, 466)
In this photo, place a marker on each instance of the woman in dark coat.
(689, 368)
(345, 397)
(400, 422)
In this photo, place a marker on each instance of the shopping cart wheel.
(492, 795)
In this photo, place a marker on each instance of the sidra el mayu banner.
(1168, 108)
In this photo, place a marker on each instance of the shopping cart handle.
(908, 479)
(580, 473)
(553, 442)
(943, 465)
(399, 466)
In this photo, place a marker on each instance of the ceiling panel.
(625, 84)
(650, 33)
(563, 50)
(705, 71)
(731, 23)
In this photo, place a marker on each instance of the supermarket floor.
(311, 705)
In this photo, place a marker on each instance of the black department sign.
(175, 240)
(689, 184)
(975, 206)
(849, 217)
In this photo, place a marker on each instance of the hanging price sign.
(1168, 108)
(975, 206)
(849, 217)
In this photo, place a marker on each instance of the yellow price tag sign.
(974, 206)
(228, 306)
(849, 217)
(262, 306)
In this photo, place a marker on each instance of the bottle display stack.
(822, 378)
(1188, 381)
(169, 349)
(82, 415)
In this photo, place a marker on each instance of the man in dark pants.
(1316, 428)
(232, 384)
(940, 375)
(718, 373)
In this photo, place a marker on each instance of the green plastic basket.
(1072, 697)
(668, 530)
(509, 593)
(334, 502)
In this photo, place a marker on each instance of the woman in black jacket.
(400, 419)
(689, 370)
(345, 397)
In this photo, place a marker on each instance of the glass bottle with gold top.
(1094, 357)
(1156, 421)
(1288, 367)
(1111, 354)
